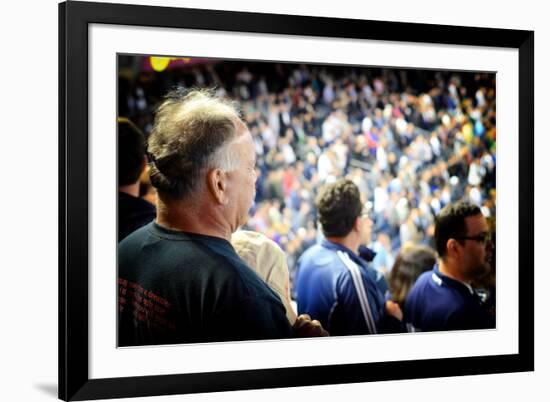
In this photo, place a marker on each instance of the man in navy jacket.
(334, 284)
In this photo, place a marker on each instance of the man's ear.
(144, 164)
(452, 246)
(356, 224)
(216, 180)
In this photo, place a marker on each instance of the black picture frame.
(74, 19)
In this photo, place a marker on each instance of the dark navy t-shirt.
(177, 287)
(438, 303)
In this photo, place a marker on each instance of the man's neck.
(348, 242)
(193, 218)
(450, 270)
(130, 189)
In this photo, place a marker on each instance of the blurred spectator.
(383, 260)
(267, 259)
(411, 261)
(334, 285)
(133, 211)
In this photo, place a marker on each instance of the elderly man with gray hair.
(179, 278)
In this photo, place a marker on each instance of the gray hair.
(192, 133)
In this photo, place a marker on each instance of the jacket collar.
(439, 278)
(335, 246)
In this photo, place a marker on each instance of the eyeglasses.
(364, 215)
(366, 210)
(482, 238)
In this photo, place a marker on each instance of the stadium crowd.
(412, 141)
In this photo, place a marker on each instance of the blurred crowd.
(412, 141)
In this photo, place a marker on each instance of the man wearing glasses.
(443, 299)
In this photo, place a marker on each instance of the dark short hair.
(409, 264)
(190, 132)
(338, 206)
(450, 223)
(131, 152)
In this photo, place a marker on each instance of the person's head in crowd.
(411, 261)
(342, 215)
(463, 241)
(202, 163)
(134, 210)
(268, 260)
(132, 158)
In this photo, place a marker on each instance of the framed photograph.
(120, 60)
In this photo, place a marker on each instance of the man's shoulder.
(236, 276)
(431, 280)
(424, 289)
(145, 236)
(430, 284)
(240, 284)
(189, 261)
(318, 254)
(171, 254)
(243, 276)
(135, 239)
(430, 293)
(314, 249)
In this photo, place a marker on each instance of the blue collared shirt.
(439, 303)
